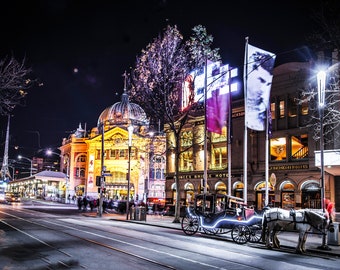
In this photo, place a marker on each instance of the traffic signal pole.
(100, 209)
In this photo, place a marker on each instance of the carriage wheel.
(240, 234)
(189, 225)
(255, 233)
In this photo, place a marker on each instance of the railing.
(301, 153)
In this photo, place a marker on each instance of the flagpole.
(245, 145)
(267, 159)
(229, 135)
(205, 174)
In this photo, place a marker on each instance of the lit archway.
(189, 193)
(238, 188)
(311, 194)
(260, 192)
(174, 192)
(220, 187)
(287, 194)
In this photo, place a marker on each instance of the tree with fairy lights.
(156, 83)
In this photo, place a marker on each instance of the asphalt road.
(54, 236)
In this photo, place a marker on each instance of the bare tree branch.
(14, 81)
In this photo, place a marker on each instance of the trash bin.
(140, 213)
(333, 236)
(143, 213)
(132, 212)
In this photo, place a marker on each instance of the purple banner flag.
(217, 111)
(260, 65)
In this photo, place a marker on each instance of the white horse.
(302, 221)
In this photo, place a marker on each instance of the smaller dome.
(123, 113)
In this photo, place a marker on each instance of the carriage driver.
(329, 206)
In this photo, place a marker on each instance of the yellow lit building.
(84, 156)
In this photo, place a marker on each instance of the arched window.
(220, 187)
(157, 167)
(189, 193)
(260, 191)
(174, 192)
(238, 188)
(311, 194)
(287, 194)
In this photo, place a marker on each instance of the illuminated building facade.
(294, 159)
(296, 181)
(82, 156)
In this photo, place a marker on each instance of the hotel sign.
(289, 167)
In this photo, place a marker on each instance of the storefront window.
(260, 190)
(287, 195)
(311, 195)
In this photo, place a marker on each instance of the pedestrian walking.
(85, 203)
(79, 202)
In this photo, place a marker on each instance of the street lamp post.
(321, 82)
(49, 152)
(130, 130)
(30, 160)
(100, 207)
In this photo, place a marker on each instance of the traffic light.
(98, 182)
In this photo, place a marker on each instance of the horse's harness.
(306, 219)
(293, 214)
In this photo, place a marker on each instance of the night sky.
(101, 39)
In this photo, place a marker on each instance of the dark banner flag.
(259, 76)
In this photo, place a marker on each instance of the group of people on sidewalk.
(86, 201)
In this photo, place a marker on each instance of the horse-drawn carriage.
(301, 221)
(221, 214)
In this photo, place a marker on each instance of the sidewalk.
(287, 239)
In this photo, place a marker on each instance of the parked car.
(13, 197)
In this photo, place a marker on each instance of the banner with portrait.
(259, 74)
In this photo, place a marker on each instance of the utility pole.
(100, 210)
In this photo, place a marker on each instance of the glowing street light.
(30, 160)
(130, 130)
(321, 81)
(49, 152)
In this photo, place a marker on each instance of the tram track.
(107, 235)
(61, 229)
(66, 263)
